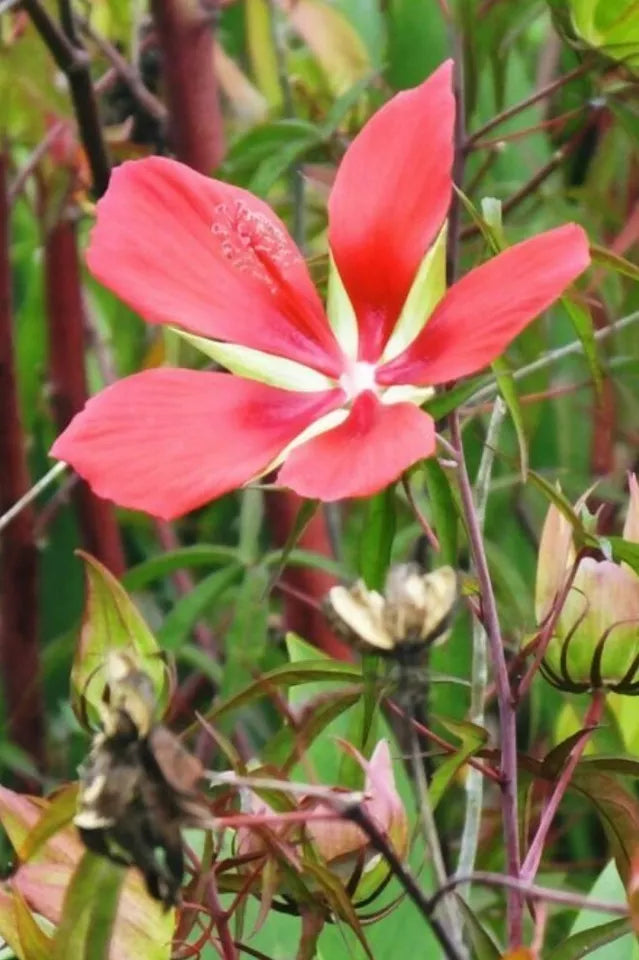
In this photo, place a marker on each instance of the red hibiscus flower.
(330, 398)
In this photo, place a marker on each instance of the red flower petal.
(183, 249)
(364, 454)
(487, 308)
(389, 200)
(166, 441)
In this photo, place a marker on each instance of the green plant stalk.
(451, 918)
(479, 680)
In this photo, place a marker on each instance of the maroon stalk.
(19, 654)
(67, 336)
(185, 34)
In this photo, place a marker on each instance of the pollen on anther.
(251, 241)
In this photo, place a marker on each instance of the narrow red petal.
(364, 454)
(485, 310)
(183, 249)
(390, 198)
(166, 441)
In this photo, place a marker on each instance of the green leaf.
(484, 944)
(444, 509)
(554, 761)
(178, 624)
(582, 943)
(111, 622)
(35, 943)
(57, 814)
(442, 403)
(245, 639)
(261, 49)
(472, 739)
(88, 915)
(614, 261)
(564, 506)
(283, 749)
(304, 516)
(607, 887)
(583, 326)
(289, 675)
(508, 390)
(344, 104)
(618, 810)
(625, 551)
(377, 538)
(272, 168)
(199, 555)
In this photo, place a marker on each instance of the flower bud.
(339, 844)
(595, 641)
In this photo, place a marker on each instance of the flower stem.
(535, 852)
(517, 108)
(450, 911)
(504, 695)
(488, 391)
(479, 681)
(405, 878)
(534, 892)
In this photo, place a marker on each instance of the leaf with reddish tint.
(614, 261)
(8, 922)
(88, 915)
(142, 928)
(289, 675)
(58, 814)
(35, 943)
(111, 622)
(618, 810)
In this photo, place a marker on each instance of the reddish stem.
(186, 38)
(66, 329)
(19, 654)
(533, 857)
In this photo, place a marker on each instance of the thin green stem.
(479, 681)
(490, 390)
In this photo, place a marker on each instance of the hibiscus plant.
(311, 311)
